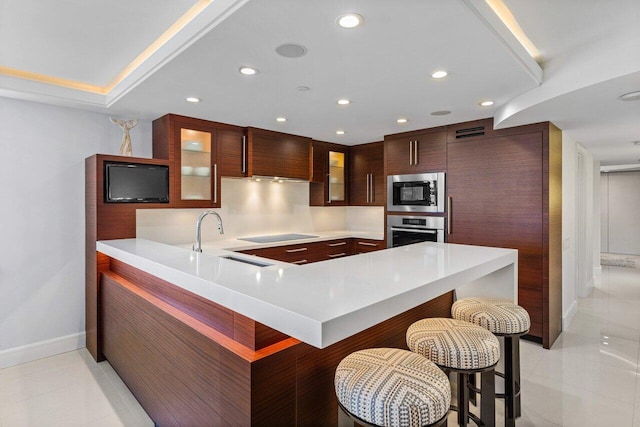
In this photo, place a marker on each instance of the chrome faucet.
(197, 247)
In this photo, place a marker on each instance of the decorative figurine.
(126, 125)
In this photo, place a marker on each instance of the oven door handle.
(415, 230)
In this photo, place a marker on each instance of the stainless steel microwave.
(422, 192)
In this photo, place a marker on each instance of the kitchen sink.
(277, 238)
(247, 261)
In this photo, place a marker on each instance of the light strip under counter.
(325, 302)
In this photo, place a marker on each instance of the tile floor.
(590, 377)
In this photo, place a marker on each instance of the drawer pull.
(296, 250)
(302, 261)
(337, 255)
(367, 244)
(337, 244)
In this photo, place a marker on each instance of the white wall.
(580, 199)
(621, 212)
(43, 149)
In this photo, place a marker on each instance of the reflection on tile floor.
(589, 378)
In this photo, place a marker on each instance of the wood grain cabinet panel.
(366, 175)
(360, 246)
(232, 152)
(278, 154)
(504, 191)
(416, 152)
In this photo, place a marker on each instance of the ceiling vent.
(470, 132)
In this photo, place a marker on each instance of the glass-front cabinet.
(336, 177)
(195, 165)
(328, 184)
(190, 146)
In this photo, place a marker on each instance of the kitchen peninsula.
(202, 339)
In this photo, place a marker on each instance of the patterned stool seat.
(454, 343)
(499, 316)
(392, 387)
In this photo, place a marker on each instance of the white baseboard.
(569, 315)
(17, 355)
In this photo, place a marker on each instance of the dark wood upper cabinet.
(277, 154)
(366, 175)
(328, 186)
(190, 146)
(505, 190)
(416, 152)
(232, 152)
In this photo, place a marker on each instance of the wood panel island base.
(205, 341)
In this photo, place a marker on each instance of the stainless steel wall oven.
(406, 230)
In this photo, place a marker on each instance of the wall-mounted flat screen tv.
(135, 183)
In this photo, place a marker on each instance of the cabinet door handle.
(295, 250)
(244, 154)
(337, 255)
(336, 244)
(410, 152)
(367, 244)
(302, 261)
(328, 188)
(372, 198)
(368, 192)
(449, 204)
(415, 149)
(215, 183)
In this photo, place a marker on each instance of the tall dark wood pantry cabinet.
(504, 189)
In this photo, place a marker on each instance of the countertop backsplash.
(251, 208)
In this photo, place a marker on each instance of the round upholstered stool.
(392, 387)
(464, 349)
(506, 319)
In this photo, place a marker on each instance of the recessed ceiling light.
(402, 120)
(248, 71)
(486, 103)
(441, 113)
(344, 101)
(281, 119)
(340, 132)
(192, 99)
(350, 20)
(303, 88)
(631, 96)
(439, 74)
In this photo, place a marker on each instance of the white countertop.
(324, 302)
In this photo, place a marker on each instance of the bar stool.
(462, 348)
(392, 387)
(511, 321)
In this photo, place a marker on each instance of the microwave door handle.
(415, 230)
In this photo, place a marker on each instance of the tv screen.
(135, 183)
